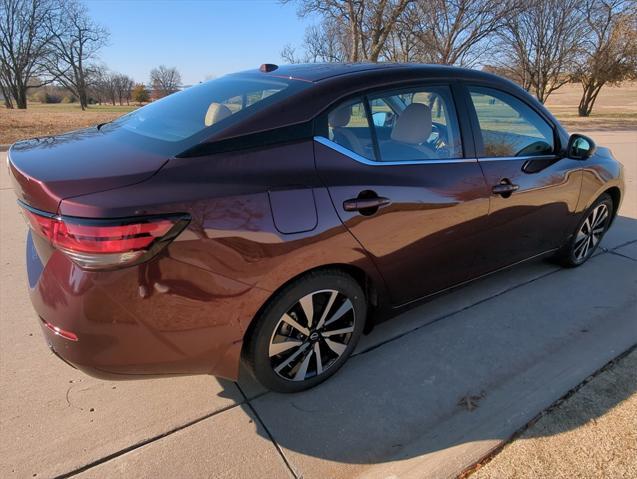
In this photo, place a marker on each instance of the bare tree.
(609, 51)
(165, 80)
(288, 54)
(366, 24)
(326, 42)
(98, 82)
(450, 32)
(24, 42)
(74, 47)
(128, 86)
(122, 85)
(540, 43)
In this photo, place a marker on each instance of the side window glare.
(508, 126)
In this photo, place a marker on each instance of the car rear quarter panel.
(232, 248)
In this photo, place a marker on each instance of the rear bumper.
(159, 318)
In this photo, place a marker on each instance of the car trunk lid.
(47, 170)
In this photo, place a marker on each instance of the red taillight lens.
(96, 244)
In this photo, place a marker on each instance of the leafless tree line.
(110, 87)
(45, 41)
(541, 44)
(56, 42)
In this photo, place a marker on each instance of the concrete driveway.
(402, 407)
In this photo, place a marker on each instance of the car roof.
(316, 72)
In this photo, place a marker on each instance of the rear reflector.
(98, 244)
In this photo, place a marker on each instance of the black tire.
(576, 252)
(271, 332)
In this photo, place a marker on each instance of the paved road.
(517, 340)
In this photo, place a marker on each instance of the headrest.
(413, 125)
(340, 117)
(216, 112)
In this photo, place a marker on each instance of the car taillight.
(104, 244)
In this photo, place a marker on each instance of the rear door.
(406, 185)
(534, 191)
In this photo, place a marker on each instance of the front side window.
(415, 125)
(186, 113)
(508, 126)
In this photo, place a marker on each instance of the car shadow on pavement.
(478, 375)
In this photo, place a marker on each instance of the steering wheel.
(439, 138)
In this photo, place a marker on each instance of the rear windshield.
(212, 104)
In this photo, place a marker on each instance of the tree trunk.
(83, 99)
(19, 94)
(8, 100)
(591, 90)
(21, 101)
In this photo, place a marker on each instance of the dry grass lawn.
(616, 109)
(49, 119)
(592, 434)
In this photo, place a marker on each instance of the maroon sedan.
(274, 215)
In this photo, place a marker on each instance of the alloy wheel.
(591, 232)
(312, 335)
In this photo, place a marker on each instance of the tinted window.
(348, 126)
(418, 124)
(509, 127)
(183, 114)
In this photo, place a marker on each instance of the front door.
(534, 191)
(398, 177)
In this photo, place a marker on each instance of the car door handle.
(505, 188)
(359, 204)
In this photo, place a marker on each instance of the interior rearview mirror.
(580, 147)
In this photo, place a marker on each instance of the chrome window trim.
(513, 158)
(361, 159)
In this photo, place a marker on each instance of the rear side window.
(508, 126)
(349, 127)
(416, 125)
(211, 104)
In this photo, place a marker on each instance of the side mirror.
(580, 147)
(380, 117)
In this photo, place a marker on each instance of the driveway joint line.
(613, 252)
(622, 245)
(489, 456)
(267, 431)
(144, 442)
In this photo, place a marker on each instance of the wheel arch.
(364, 280)
(615, 193)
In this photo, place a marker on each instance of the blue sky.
(202, 38)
